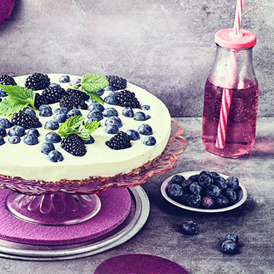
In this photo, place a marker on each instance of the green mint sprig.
(91, 83)
(74, 125)
(18, 99)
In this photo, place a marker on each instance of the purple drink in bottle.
(232, 71)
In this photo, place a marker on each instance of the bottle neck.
(233, 69)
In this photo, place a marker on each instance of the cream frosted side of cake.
(27, 162)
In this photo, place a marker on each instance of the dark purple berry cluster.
(206, 190)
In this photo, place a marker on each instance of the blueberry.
(190, 228)
(53, 125)
(111, 129)
(213, 191)
(194, 178)
(55, 156)
(233, 237)
(5, 123)
(174, 191)
(128, 112)
(33, 131)
(149, 141)
(96, 106)
(30, 111)
(2, 93)
(2, 141)
(140, 116)
(133, 134)
(45, 112)
(232, 182)
(205, 181)
(194, 200)
(186, 183)
(60, 118)
(14, 139)
(54, 85)
(195, 188)
(44, 106)
(221, 201)
(220, 182)
(74, 112)
(229, 247)
(3, 132)
(177, 179)
(47, 147)
(145, 107)
(95, 115)
(90, 100)
(214, 174)
(208, 202)
(108, 112)
(17, 131)
(114, 120)
(64, 79)
(185, 197)
(100, 92)
(52, 137)
(108, 88)
(230, 194)
(61, 110)
(30, 139)
(111, 100)
(145, 129)
(75, 81)
(90, 141)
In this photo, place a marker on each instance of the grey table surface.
(161, 236)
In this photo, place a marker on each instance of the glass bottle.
(231, 96)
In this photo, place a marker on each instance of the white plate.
(241, 194)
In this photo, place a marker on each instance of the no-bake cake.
(123, 111)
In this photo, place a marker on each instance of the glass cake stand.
(72, 203)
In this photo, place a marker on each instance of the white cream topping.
(29, 163)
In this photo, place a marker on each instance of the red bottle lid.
(227, 39)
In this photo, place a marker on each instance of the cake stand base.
(53, 209)
(26, 241)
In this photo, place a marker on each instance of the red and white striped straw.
(221, 133)
(238, 17)
(227, 93)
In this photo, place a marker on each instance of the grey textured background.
(165, 47)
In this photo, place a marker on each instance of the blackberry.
(126, 98)
(116, 82)
(25, 120)
(72, 101)
(37, 81)
(53, 94)
(7, 80)
(39, 100)
(74, 145)
(78, 93)
(119, 141)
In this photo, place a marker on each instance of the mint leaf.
(18, 99)
(92, 126)
(70, 126)
(9, 106)
(74, 125)
(93, 82)
(95, 97)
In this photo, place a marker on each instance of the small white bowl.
(241, 195)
